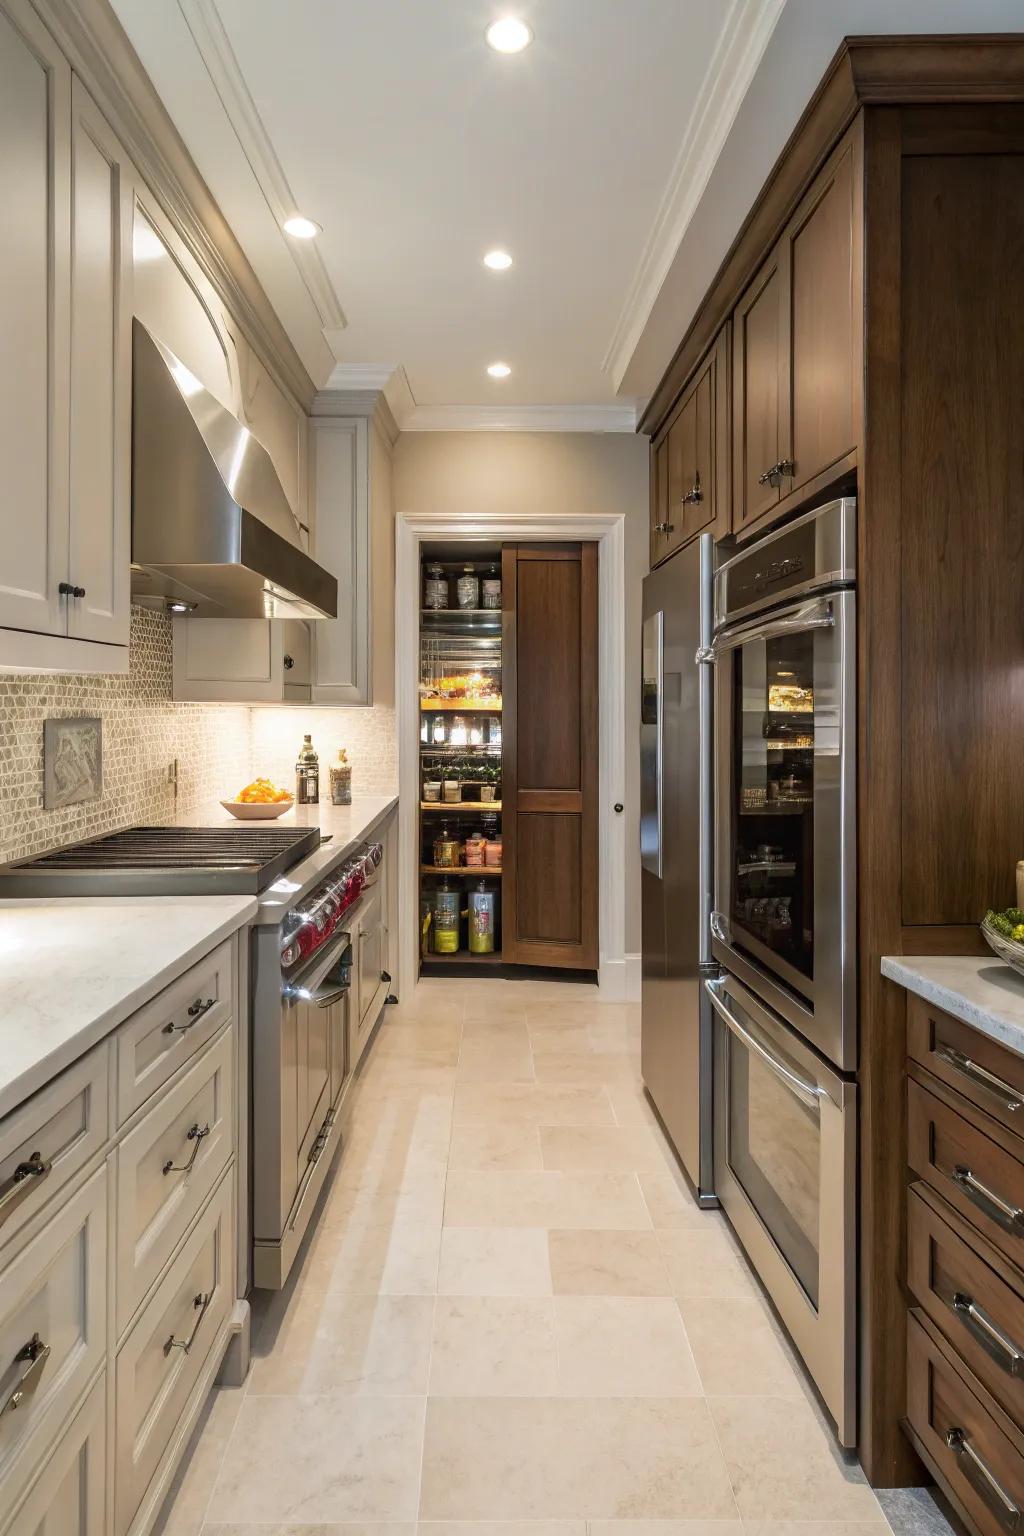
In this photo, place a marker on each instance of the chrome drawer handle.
(14, 1190)
(202, 1302)
(983, 1479)
(980, 1075)
(988, 1333)
(35, 1354)
(195, 1013)
(196, 1135)
(1009, 1216)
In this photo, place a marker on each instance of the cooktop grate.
(158, 861)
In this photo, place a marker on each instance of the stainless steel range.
(310, 905)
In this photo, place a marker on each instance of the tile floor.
(512, 1319)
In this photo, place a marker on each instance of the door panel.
(549, 758)
(759, 399)
(659, 500)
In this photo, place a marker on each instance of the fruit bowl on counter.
(259, 801)
(1003, 932)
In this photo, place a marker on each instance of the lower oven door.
(785, 1174)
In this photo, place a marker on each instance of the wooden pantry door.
(549, 755)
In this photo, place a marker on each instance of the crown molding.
(359, 376)
(95, 43)
(520, 418)
(214, 47)
(745, 34)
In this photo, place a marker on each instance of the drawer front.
(368, 940)
(45, 1142)
(163, 1357)
(977, 1311)
(53, 1305)
(162, 1036)
(167, 1166)
(68, 1497)
(982, 1466)
(983, 1181)
(985, 1072)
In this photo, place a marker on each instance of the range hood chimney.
(212, 531)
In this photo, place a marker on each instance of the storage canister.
(491, 588)
(435, 588)
(446, 850)
(468, 589)
(492, 853)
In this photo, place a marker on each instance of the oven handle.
(819, 614)
(808, 1093)
(320, 965)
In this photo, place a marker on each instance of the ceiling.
(615, 159)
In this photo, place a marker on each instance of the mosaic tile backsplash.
(218, 748)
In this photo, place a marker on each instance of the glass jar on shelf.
(446, 850)
(491, 588)
(435, 587)
(467, 588)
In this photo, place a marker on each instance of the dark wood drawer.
(949, 1149)
(977, 1309)
(985, 1072)
(976, 1456)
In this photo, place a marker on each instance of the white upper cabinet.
(340, 471)
(102, 201)
(35, 194)
(65, 389)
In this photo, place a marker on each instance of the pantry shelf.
(454, 806)
(462, 706)
(488, 871)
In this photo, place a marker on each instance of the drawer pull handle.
(202, 1302)
(14, 1190)
(1011, 1217)
(195, 1013)
(35, 1355)
(195, 1135)
(983, 1479)
(692, 497)
(663, 527)
(980, 1075)
(988, 1333)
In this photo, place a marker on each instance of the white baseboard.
(619, 980)
(634, 973)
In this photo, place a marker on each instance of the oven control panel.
(313, 922)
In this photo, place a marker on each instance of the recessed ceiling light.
(509, 35)
(301, 228)
(499, 370)
(498, 261)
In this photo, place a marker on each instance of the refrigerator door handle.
(652, 740)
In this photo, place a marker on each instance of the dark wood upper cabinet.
(795, 357)
(690, 460)
(549, 756)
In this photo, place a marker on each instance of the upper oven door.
(785, 832)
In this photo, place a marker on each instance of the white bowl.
(256, 810)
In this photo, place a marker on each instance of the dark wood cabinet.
(758, 396)
(549, 756)
(690, 460)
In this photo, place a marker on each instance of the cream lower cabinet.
(65, 423)
(119, 1261)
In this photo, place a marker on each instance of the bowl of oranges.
(259, 801)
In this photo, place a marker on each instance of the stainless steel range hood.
(212, 530)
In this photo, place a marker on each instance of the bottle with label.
(492, 588)
(483, 903)
(307, 775)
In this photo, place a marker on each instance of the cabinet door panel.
(822, 326)
(100, 474)
(340, 468)
(659, 500)
(35, 191)
(682, 468)
(759, 430)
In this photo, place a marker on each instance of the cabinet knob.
(289, 662)
(618, 807)
(78, 592)
(65, 589)
(693, 496)
(663, 527)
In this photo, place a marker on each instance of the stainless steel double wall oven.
(783, 928)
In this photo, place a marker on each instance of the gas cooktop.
(164, 861)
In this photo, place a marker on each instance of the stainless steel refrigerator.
(676, 855)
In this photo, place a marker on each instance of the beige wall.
(540, 473)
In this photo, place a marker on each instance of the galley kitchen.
(511, 858)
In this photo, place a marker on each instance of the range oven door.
(785, 1174)
(784, 916)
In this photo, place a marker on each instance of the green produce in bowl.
(1009, 923)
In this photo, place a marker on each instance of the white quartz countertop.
(981, 991)
(346, 825)
(71, 970)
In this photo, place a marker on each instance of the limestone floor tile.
(613, 1149)
(426, 1042)
(502, 1145)
(494, 1261)
(386, 1195)
(577, 1067)
(568, 1010)
(631, 1106)
(591, 1200)
(505, 1029)
(190, 1492)
(332, 1344)
(737, 1350)
(704, 1262)
(503, 1528)
(671, 1204)
(623, 1346)
(784, 1464)
(531, 1104)
(607, 1264)
(351, 1528)
(490, 1061)
(572, 1458)
(493, 1346)
(670, 1528)
(397, 1258)
(495, 1011)
(385, 1073)
(879, 1527)
(316, 1459)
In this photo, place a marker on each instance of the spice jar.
(468, 588)
(492, 853)
(340, 774)
(446, 850)
(435, 588)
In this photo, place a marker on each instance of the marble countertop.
(980, 990)
(346, 825)
(71, 970)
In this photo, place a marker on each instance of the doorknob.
(618, 807)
